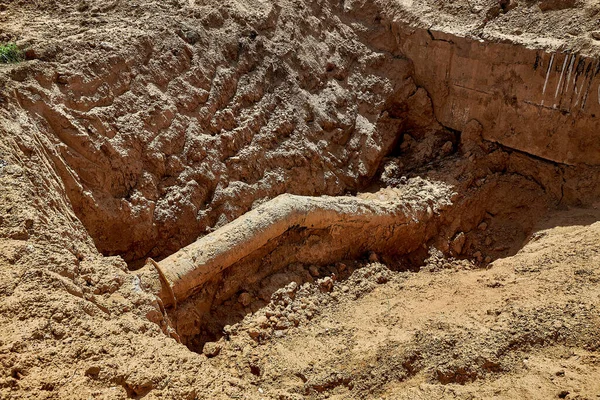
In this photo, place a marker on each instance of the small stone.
(482, 226)
(314, 270)
(447, 148)
(596, 35)
(62, 79)
(381, 278)
(282, 324)
(488, 260)
(373, 257)
(291, 289)
(211, 349)
(563, 394)
(294, 319)
(28, 223)
(341, 267)
(107, 46)
(458, 242)
(326, 284)
(92, 371)
(254, 333)
(262, 321)
(478, 256)
(18, 233)
(345, 289)
(83, 6)
(138, 383)
(488, 241)
(245, 299)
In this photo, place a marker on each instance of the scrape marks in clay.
(575, 76)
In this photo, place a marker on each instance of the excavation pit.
(416, 149)
(229, 273)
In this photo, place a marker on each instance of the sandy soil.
(134, 128)
(524, 327)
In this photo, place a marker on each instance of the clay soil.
(132, 129)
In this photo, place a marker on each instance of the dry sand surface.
(446, 243)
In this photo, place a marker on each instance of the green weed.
(10, 53)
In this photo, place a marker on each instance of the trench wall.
(538, 102)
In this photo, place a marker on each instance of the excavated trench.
(423, 139)
(235, 270)
(467, 188)
(472, 182)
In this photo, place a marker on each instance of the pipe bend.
(182, 273)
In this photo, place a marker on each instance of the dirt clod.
(211, 349)
(458, 242)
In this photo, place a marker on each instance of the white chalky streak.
(547, 76)
(569, 73)
(580, 91)
(562, 72)
(575, 85)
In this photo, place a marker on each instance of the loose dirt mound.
(133, 129)
(386, 334)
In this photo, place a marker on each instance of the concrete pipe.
(184, 272)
